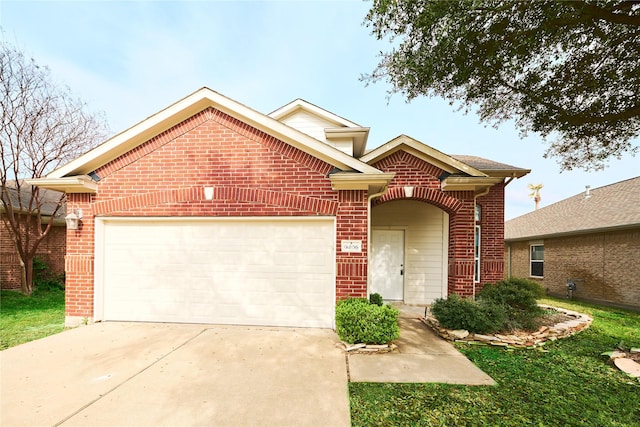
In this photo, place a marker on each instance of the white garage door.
(246, 272)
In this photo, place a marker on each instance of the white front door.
(387, 263)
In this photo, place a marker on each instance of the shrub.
(358, 321)
(481, 317)
(376, 299)
(43, 277)
(518, 297)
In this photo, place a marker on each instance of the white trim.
(477, 231)
(531, 261)
(445, 254)
(301, 104)
(70, 184)
(193, 104)
(99, 227)
(427, 153)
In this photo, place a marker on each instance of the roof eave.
(187, 107)
(573, 233)
(422, 151)
(464, 183)
(70, 184)
(373, 183)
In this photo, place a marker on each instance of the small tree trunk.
(26, 279)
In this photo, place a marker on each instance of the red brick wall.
(492, 235)
(51, 250)
(412, 171)
(253, 175)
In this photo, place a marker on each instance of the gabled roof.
(462, 172)
(335, 127)
(422, 151)
(614, 206)
(301, 104)
(187, 107)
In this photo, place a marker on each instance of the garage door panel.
(278, 273)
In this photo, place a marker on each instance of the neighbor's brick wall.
(412, 171)
(606, 263)
(51, 250)
(253, 174)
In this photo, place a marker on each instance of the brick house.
(51, 249)
(592, 239)
(212, 212)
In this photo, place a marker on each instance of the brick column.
(351, 267)
(79, 263)
(461, 250)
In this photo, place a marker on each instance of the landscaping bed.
(563, 324)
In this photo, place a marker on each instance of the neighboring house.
(212, 212)
(591, 240)
(51, 249)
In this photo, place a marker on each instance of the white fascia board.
(457, 183)
(69, 184)
(360, 181)
(297, 104)
(187, 107)
(423, 151)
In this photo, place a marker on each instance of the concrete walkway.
(146, 374)
(421, 357)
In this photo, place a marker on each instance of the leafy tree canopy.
(568, 70)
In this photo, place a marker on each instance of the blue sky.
(132, 59)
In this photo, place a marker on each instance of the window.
(476, 255)
(537, 261)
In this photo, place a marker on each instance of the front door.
(387, 264)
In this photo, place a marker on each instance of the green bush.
(518, 297)
(376, 299)
(482, 317)
(43, 277)
(358, 321)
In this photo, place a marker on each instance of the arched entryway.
(409, 251)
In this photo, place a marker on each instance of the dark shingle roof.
(483, 164)
(49, 199)
(612, 206)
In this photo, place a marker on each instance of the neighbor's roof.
(20, 200)
(613, 206)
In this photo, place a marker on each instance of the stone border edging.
(565, 329)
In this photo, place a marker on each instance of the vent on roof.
(587, 193)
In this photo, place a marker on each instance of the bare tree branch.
(42, 126)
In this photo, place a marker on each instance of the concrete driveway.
(149, 374)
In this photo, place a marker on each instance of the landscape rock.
(628, 366)
(577, 323)
(459, 334)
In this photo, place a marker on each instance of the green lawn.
(568, 383)
(24, 319)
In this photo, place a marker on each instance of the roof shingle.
(612, 206)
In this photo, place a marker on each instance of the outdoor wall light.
(73, 219)
(208, 193)
(408, 192)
